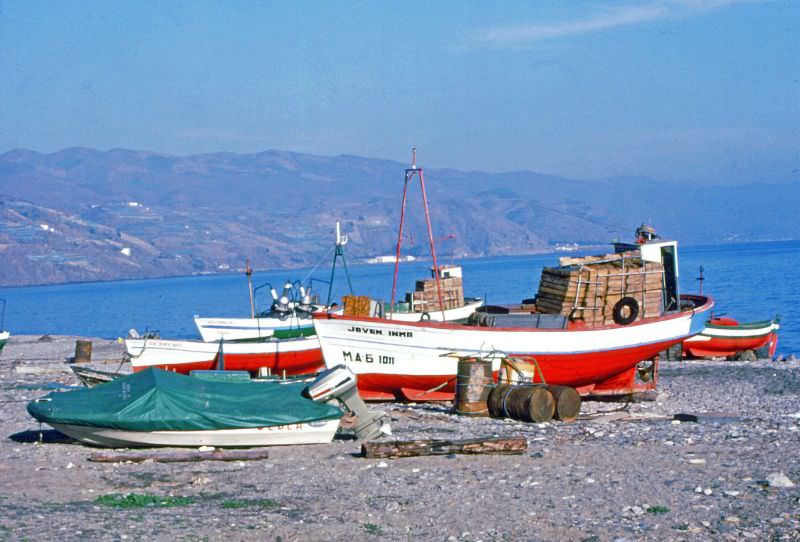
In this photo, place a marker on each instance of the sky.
(700, 91)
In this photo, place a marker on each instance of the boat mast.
(410, 172)
(249, 272)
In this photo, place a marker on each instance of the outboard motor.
(339, 384)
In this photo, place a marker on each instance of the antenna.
(700, 279)
(341, 241)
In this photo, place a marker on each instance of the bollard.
(83, 351)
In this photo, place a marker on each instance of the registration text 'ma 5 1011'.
(359, 357)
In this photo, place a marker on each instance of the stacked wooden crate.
(356, 305)
(425, 298)
(588, 288)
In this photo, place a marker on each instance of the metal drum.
(473, 383)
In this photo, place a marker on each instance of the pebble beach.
(713, 457)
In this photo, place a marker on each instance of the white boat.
(250, 329)
(573, 346)
(275, 435)
(4, 335)
(406, 360)
(455, 314)
(292, 356)
(160, 408)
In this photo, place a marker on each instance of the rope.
(436, 388)
(487, 383)
(327, 255)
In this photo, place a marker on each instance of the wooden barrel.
(526, 403)
(567, 403)
(83, 351)
(473, 384)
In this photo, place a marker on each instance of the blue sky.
(684, 90)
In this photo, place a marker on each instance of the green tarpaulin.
(157, 400)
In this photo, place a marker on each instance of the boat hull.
(457, 314)
(278, 435)
(292, 356)
(729, 339)
(249, 329)
(406, 360)
(4, 335)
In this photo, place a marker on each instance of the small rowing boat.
(726, 337)
(290, 356)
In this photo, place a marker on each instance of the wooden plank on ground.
(412, 448)
(180, 457)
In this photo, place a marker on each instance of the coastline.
(629, 473)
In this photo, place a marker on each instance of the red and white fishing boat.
(394, 360)
(726, 337)
(409, 360)
(292, 356)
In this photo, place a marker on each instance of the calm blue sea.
(752, 281)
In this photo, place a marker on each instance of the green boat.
(159, 408)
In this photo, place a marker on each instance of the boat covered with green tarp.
(159, 408)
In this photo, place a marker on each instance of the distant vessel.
(390, 259)
(567, 247)
(726, 337)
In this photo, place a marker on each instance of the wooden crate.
(587, 289)
(426, 297)
(356, 305)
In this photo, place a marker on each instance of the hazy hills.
(83, 214)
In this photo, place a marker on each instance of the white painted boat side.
(450, 315)
(153, 352)
(734, 332)
(4, 335)
(395, 348)
(282, 435)
(235, 329)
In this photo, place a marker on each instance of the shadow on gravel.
(48, 436)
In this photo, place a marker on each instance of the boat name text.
(374, 331)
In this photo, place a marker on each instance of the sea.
(748, 281)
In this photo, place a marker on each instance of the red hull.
(606, 373)
(293, 363)
(729, 346)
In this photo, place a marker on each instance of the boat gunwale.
(707, 304)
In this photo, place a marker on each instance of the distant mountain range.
(83, 214)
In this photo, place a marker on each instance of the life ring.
(626, 310)
(425, 317)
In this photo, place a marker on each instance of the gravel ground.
(617, 473)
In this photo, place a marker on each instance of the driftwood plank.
(182, 456)
(411, 448)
